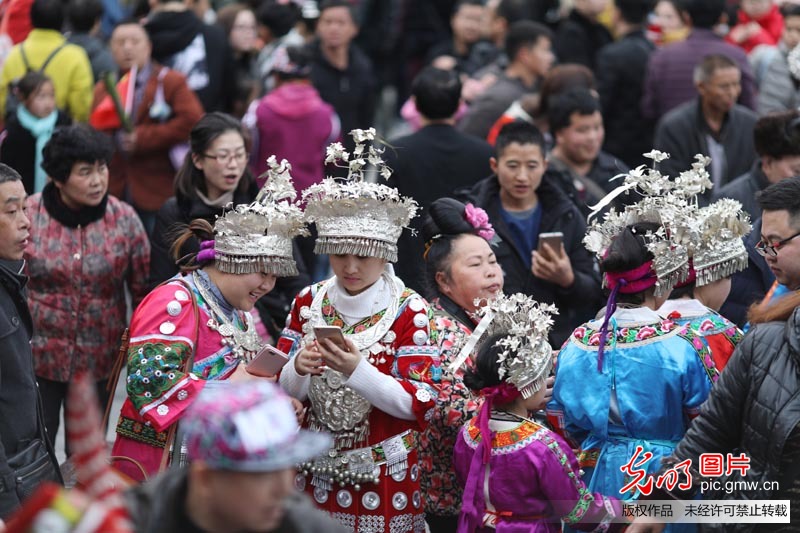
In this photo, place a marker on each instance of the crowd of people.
(493, 249)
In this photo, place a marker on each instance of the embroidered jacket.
(162, 338)
(533, 483)
(406, 352)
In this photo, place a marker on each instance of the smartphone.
(334, 333)
(553, 240)
(268, 362)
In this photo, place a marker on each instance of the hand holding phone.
(268, 362)
(333, 333)
(552, 240)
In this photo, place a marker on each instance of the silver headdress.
(526, 358)
(720, 251)
(672, 204)
(257, 237)
(354, 216)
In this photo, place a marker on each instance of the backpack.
(11, 96)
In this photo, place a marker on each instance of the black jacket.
(682, 134)
(18, 392)
(159, 506)
(752, 409)
(273, 308)
(428, 165)
(576, 304)
(578, 40)
(621, 68)
(212, 78)
(744, 189)
(19, 148)
(352, 92)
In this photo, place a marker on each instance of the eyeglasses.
(772, 249)
(225, 158)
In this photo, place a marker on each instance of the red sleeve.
(292, 334)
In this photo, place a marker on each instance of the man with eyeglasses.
(780, 229)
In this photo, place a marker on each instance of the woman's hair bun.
(445, 217)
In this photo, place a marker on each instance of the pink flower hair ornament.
(479, 220)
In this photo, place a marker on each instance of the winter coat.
(148, 171)
(200, 52)
(18, 392)
(158, 507)
(295, 124)
(779, 90)
(621, 67)
(428, 165)
(18, 149)
(352, 92)
(744, 189)
(752, 409)
(577, 303)
(77, 285)
(771, 29)
(69, 69)
(682, 134)
(578, 40)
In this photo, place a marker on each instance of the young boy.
(522, 206)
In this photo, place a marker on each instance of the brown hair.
(226, 17)
(779, 310)
(189, 238)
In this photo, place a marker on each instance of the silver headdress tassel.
(526, 358)
(354, 216)
(670, 203)
(257, 237)
(720, 251)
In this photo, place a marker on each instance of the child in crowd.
(29, 128)
(527, 479)
(758, 22)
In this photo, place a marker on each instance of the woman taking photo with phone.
(460, 268)
(197, 327)
(374, 395)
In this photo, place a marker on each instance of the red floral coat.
(76, 291)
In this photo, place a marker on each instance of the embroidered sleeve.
(697, 378)
(417, 365)
(560, 479)
(162, 340)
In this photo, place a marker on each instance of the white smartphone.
(268, 362)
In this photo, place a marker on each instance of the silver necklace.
(244, 343)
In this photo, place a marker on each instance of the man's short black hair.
(279, 18)
(79, 143)
(777, 135)
(8, 174)
(525, 33)
(703, 13)
(328, 4)
(514, 10)
(634, 11)
(783, 196)
(437, 93)
(562, 106)
(462, 3)
(47, 14)
(84, 14)
(520, 132)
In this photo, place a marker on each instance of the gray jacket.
(155, 507)
(744, 189)
(682, 134)
(778, 91)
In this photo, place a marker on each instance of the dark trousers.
(54, 395)
(442, 524)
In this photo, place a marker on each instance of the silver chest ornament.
(339, 409)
